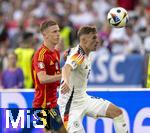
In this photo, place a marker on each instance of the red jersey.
(48, 61)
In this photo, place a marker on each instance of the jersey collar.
(81, 50)
(48, 48)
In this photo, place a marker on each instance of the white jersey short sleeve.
(75, 58)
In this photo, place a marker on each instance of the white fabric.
(90, 106)
(78, 77)
(120, 124)
(81, 103)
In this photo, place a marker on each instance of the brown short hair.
(46, 24)
(86, 30)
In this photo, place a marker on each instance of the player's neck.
(84, 49)
(49, 45)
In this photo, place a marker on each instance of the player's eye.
(55, 31)
(94, 37)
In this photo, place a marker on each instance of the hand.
(64, 88)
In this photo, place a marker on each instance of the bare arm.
(66, 71)
(44, 78)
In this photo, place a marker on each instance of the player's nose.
(97, 41)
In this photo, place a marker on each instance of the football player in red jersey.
(46, 75)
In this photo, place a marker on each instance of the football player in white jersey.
(73, 100)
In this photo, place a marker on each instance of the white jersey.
(81, 65)
(75, 104)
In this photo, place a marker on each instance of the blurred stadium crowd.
(20, 35)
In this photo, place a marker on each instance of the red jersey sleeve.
(39, 62)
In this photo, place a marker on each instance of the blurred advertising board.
(109, 70)
(134, 102)
(117, 70)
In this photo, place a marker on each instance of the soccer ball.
(118, 17)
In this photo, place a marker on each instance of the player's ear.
(44, 35)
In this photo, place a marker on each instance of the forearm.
(44, 78)
(53, 78)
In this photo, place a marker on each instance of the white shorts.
(73, 113)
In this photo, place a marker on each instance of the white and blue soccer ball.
(118, 17)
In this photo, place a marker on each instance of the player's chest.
(86, 66)
(52, 62)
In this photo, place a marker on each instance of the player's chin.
(56, 42)
(94, 49)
